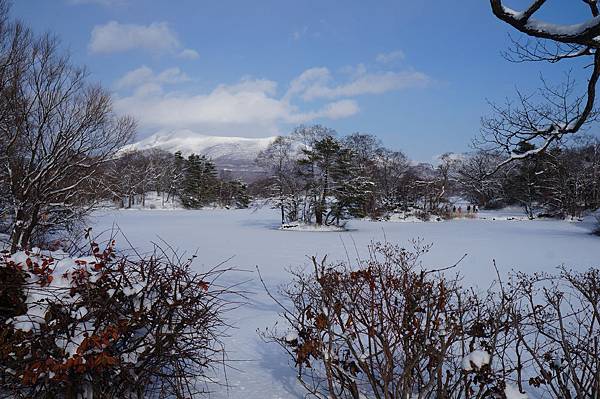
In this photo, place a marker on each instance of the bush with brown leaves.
(386, 328)
(108, 325)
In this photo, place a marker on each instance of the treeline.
(193, 181)
(314, 176)
(563, 181)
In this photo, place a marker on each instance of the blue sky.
(415, 73)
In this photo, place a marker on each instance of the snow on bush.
(107, 324)
(476, 359)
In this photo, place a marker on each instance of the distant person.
(454, 209)
(460, 209)
(468, 208)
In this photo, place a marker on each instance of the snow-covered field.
(252, 238)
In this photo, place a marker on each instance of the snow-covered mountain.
(230, 153)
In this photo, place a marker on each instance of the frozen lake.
(252, 239)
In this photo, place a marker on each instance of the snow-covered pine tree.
(352, 188)
(200, 183)
(241, 198)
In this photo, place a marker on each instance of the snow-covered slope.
(233, 153)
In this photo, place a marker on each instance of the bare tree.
(392, 168)
(560, 112)
(475, 181)
(56, 131)
(278, 160)
(541, 120)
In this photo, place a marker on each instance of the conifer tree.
(199, 186)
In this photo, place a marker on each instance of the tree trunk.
(320, 209)
(15, 238)
(281, 204)
(319, 214)
(23, 228)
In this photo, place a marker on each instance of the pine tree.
(200, 182)
(241, 198)
(352, 189)
(334, 182)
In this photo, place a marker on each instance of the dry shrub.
(555, 322)
(388, 328)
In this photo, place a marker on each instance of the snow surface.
(299, 226)
(253, 238)
(512, 392)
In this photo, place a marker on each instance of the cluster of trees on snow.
(104, 323)
(314, 176)
(193, 181)
(562, 181)
(389, 328)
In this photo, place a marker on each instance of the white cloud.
(374, 83)
(314, 83)
(340, 109)
(252, 107)
(157, 38)
(312, 76)
(188, 54)
(334, 110)
(145, 76)
(249, 107)
(386, 58)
